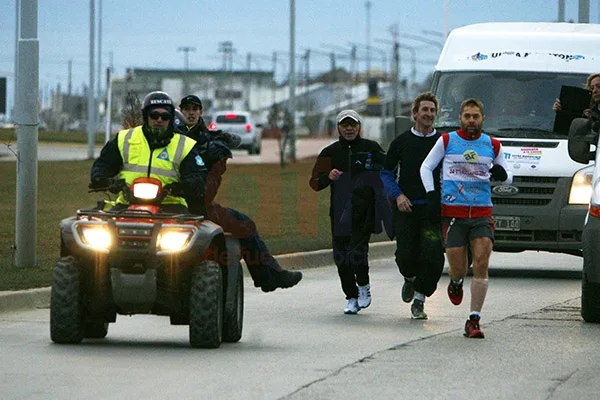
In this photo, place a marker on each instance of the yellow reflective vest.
(162, 163)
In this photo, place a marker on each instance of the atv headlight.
(581, 187)
(174, 240)
(96, 236)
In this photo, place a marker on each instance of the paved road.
(269, 151)
(297, 344)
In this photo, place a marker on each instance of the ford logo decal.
(505, 190)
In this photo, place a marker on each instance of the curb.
(24, 299)
(40, 298)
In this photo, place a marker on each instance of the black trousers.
(419, 250)
(351, 252)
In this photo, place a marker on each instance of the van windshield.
(516, 104)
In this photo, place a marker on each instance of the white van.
(517, 71)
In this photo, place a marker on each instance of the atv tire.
(65, 303)
(206, 305)
(590, 300)
(233, 318)
(95, 329)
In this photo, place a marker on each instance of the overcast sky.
(148, 34)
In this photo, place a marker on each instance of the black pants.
(351, 252)
(419, 251)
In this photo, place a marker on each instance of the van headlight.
(174, 239)
(96, 236)
(581, 187)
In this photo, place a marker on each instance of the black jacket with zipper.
(348, 157)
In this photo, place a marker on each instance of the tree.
(280, 119)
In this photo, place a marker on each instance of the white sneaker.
(351, 307)
(364, 296)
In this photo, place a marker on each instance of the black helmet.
(156, 137)
(157, 99)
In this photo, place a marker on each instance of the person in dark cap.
(358, 204)
(215, 148)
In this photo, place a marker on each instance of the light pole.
(383, 53)
(292, 103)
(186, 64)
(227, 49)
(368, 6)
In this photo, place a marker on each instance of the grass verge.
(290, 216)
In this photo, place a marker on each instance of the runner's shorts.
(458, 232)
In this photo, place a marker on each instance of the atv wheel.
(234, 313)
(590, 300)
(95, 329)
(206, 305)
(65, 303)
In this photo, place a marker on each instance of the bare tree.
(132, 112)
(280, 119)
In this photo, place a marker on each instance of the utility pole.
(292, 101)
(561, 10)
(227, 49)
(584, 11)
(91, 122)
(368, 6)
(186, 65)
(99, 65)
(27, 124)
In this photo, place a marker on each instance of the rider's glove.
(174, 189)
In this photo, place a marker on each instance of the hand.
(403, 203)
(433, 210)
(557, 106)
(174, 189)
(498, 173)
(335, 174)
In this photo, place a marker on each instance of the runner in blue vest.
(466, 203)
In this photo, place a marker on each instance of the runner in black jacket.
(419, 251)
(351, 167)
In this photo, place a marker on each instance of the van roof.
(522, 46)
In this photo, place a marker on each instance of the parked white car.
(240, 123)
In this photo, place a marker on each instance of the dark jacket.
(192, 174)
(350, 158)
(214, 147)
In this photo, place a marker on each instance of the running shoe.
(455, 292)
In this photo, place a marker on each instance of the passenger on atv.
(214, 147)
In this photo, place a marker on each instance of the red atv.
(142, 260)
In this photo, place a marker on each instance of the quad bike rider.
(147, 254)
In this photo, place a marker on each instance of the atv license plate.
(507, 223)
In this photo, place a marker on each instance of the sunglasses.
(165, 116)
